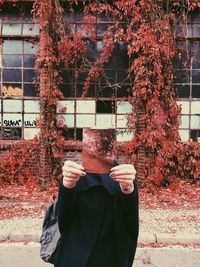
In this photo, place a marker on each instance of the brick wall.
(72, 151)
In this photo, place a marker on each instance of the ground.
(169, 225)
(22, 201)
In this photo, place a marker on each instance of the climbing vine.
(146, 28)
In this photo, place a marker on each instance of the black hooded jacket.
(98, 224)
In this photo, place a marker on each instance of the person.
(97, 216)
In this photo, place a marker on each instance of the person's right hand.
(71, 173)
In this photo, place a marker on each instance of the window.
(187, 76)
(102, 106)
(19, 101)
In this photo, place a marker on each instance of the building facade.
(103, 106)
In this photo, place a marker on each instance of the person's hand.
(124, 174)
(71, 172)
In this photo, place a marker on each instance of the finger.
(70, 175)
(69, 163)
(124, 181)
(122, 166)
(70, 180)
(124, 185)
(122, 174)
(73, 171)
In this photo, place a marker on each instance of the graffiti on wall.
(30, 123)
(17, 123)
(11, 133)
(12, 91)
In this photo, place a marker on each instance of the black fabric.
(98, 224)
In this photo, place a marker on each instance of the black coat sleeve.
(129, 204)
(65, 206)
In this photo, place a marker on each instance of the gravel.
(170, 221)
(151, 221)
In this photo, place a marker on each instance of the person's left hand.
(124, 174)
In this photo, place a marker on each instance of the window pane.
(82, 76)
(121, 75)
(31, 106)
(102, 28)
(121, 121)
(123, 107)
(30, 133)
(105, 120)
(68, 90)
(85, 120)
(68, 134)
(11, 133)
(30, 90)
(12, 105)
(12, 120)
(105, 106)
(124, 91)
(196, 91)
(100, 46)
(122, 59)
(29, 75)
(11, 29)
(30, 29)
(84, 106)
(195, 122)
(65, 120)
(184, 134)
(111, 75)
(68, 76)
(12, 47)
(30, 120)
(11, 90)
(184, 122)
(12, 61)
(196, 76)
(90, 50)
(105, 91)
(181, 76)
(195, 54)
(12, 75)
(79, 28)
(30, 48)
(183, 91)
(104, 18)
(29, 61)
(194, 134)
(65, 107)
(195, 107)
(124, 135)
(185, 106)
(79, 134)
(90, 93)
(194, 30)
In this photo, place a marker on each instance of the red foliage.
(31, 202)
(13, 169)
(146, 28)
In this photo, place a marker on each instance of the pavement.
(157, 226)
(28, 228)
(168, 238)
(27, 255)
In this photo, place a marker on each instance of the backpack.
(50, 237)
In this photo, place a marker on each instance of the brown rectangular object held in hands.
(98, 156)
